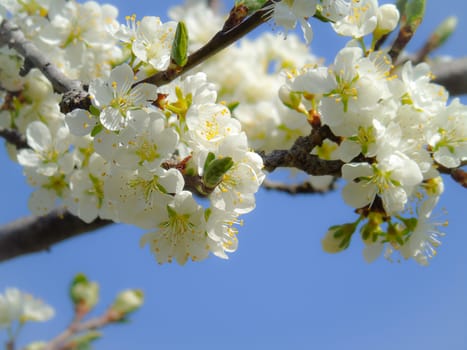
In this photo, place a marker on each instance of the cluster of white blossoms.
(396, 129)
(355, 18)
(141, 155)
(178, 163)
(249, 75)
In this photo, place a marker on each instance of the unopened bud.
(338, 237)
(290, 98)
(388, 18)
(128, 301)
(84, 293)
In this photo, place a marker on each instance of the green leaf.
(415, 10)
(252, 5)
(216, 170)
(180, 45)
(401, 5)
(443, 32)
(210, 157)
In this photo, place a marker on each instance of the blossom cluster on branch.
(184, 160)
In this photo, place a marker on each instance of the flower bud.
(38, 87)
(37, 345)
(289, 98)
(84, 293)
(338, 237)
(128, 301)
(388, 17)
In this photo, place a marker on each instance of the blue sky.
(279, 290)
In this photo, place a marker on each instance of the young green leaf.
(180, 45)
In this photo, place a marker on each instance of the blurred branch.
(34, 234)
(65, 340)
(14, 137)
(302, 188)
(452, 75)
(214, 4)
(75, 96)
(460, 176)
(11, 35)
(457, 174)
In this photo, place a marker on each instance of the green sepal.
(232, 105)
(97, 129)
(207, 214)
(319, 16)
(172, 213)
(216, 170)
(94, 111)
(179, 52)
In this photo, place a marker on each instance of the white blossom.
(115, 96)
(181, 232)
(392, 178)
(17, 306)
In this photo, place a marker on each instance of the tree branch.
(452, 75)
(34, 234)
(301, 188)
(299, 156)
(14, 137)
(74, 95)
(11, 35)
(65, 339)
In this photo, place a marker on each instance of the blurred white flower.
(17, 306)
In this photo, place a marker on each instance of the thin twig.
(62, 341)
(220, 41)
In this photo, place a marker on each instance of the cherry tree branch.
(299, 157)
(452, 75)
(13, 137)
(74, 95)
(34, 234)
(11, 35)
(293, 189)
(65, 339)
